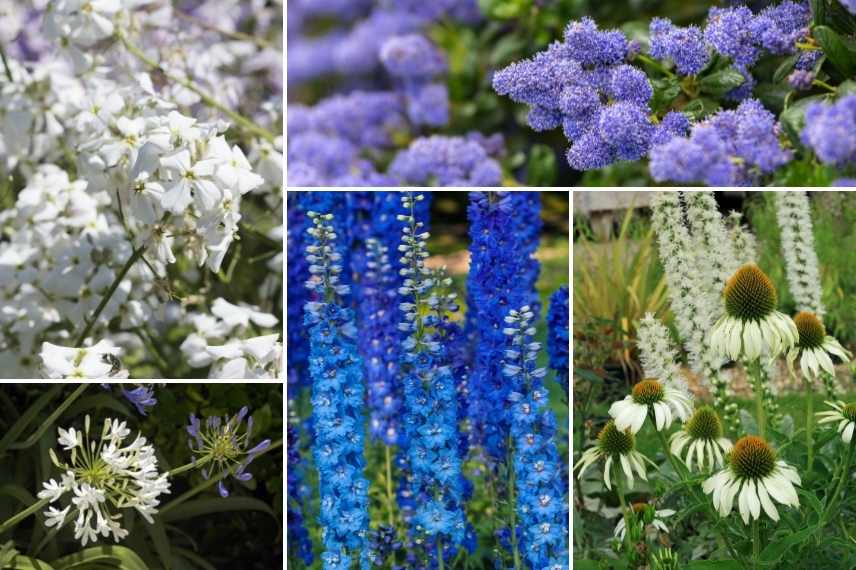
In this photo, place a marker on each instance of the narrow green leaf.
(27, 563)
(208, 506)
(161, 542)
(117, 557)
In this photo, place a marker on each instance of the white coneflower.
(103, 476)
(844, 414)
(751, 325)
(618, 447)
(754, 478)
(794, 216)
(814, 347)
(654, 521)
(702, 436)
(663, 400)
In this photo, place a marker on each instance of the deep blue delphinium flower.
(830, 130)
(446, 161)
(502, 274)
(684, 46)
(558, 335)
(298, 536)
(337, 401)
(540, 500)
(731, 148)
(298, 272)
(430, 410)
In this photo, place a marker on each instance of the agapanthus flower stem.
(247, 124)
(90, 322)
(48, 423)
(15, 519)
(6, 64)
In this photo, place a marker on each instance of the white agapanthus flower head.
(648, 518)
(663, 401)
(99, 361)
(755, 479)
(102, 476)
(842, 414)
(751, 325)
(616, 447)
(702, 440)
(814, 347)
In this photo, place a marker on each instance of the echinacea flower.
(751, 325)
(814, 347)
(103, 476)
(615, 446)
(646, 516)
(219, 446)
(844, 414)
(754, 478)
(664, 401)
(703, 440)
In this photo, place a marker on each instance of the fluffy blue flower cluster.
(584, 86)
(446, 161)
(540, 490)
(430, 418)
(298, 535)
(558, 335)
(337, 403)
(743, 36)
(731, 148)
(415, 62)
(684, 46)
(504, 230)
(830, 131)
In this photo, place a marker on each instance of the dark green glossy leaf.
(842, 58)
(722, 81)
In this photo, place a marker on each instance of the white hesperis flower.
(253, 358)
(751, 325)
(103, 475)
(100, 360)
(616, 447)
(814, 347)
(702, 439)
(755, 479)
(663, 401)
(842, 414)
(83, 22)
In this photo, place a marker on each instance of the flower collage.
(286, 284)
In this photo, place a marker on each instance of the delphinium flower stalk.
(106, 476)
(540, 500)
(793, 213)
(558, 335)
(430, 403)
(502, 275)
(298, 272)
(696, 310)
(337, 401)
(298, 536)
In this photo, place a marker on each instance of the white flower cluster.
(99, 361)
(710, 236)
(658, 354)
(745, 244)
(103, 477)
(794, 216)
(237, 357)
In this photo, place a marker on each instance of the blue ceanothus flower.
(558, 335)
(504, 233)
(541, 508)
(430, 403)
(337, 402)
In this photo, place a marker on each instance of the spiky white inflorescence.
(743, 240)
(658, 353)
(710, 236)
(103, 476)
(794, 217)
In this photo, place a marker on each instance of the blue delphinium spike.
(504, 230)
(337, 400)
(558, 335)
(541, 507)
(298, 536)
(430, 410)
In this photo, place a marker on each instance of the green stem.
(512, 501)
(655, 64)
(825, 85)
(30, 441)
(756, 543)
(184, 468)
(246, 123)
(15, 519)
(809, 422)
(6, 63)
(137, 254)
(619, 490)
(390, 499)
(241, 36)
(839, 486)
(440, 561)
(754, 369)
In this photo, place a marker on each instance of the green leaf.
(541, 167)
(818, 10)
(26, 563)
(586, 565)
(161, 542)
(793, 118)
(785, 68)
(117, 557)
(722, 81)
(700, 108)
(779, 546)
(209, 506)
(847, 88)
(714, 565)
(836, 51)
